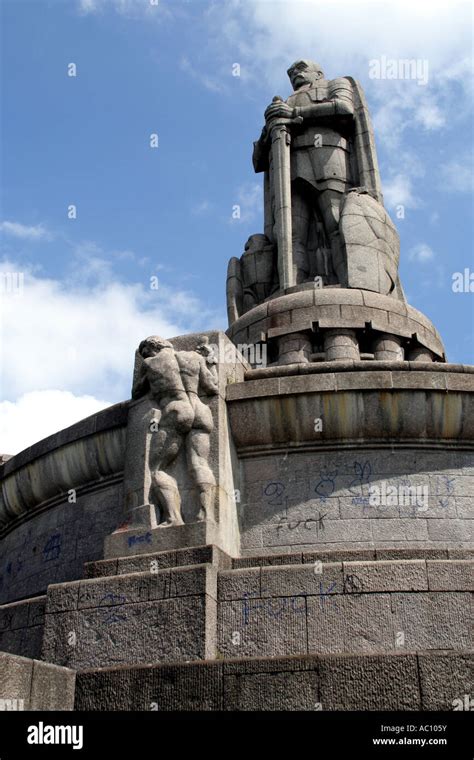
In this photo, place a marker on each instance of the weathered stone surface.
(433, 620)
(253, 627)
(376, 682)
(63, 596)
(149, 540)
(141, 617)
(52, 687)
(39, 685)
(196, 555)
(451, 530)
(272, 559)
(101, 568)
(408, 553)
(171, 629)
(448, 575)
(54, 544)
(160, 688)
(15, 677)
(389, 575)
(283, 690)
(319, 500)
(349, 622)
(301, 581)
(404, 529)
(239, 584)
(342, 308)
(58, 470)
(251, 389)
(445, 680)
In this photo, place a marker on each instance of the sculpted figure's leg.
(165, 445)
(300, 227)
(197, 449)
(329, 202)
(164, 492)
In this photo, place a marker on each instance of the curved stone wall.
(315, 447)
(58, 501)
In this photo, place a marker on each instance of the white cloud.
(343, 35)
(80, 336)
(129, 8)
(398, 191)
(88, 6)
(250, 202)
(203, 207)
(457, 175)
(421, 253)
(89, 263)
(25, 232)
(207, 81)
(37, 414)
(430, 116)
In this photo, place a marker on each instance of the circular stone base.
(356, 459)
(380, 323)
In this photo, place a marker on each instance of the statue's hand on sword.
(278, 109)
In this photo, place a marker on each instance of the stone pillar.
(294, 348)
(387, 348)
(341, 345)
(420, 354)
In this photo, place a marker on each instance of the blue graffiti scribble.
(145, 539)
(52, 548)
(362, 477)
(324, 595)
(326, 485)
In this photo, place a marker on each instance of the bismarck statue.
(322, 186)
(320, 451)
(325, 223)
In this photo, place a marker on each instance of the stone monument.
(281, 516)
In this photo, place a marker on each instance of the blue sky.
(68, 339)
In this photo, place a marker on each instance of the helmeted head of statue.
(303, 73)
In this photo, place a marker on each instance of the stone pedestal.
(343, 322)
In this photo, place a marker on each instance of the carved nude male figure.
(174, 380)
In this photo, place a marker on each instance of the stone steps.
(147, 614)
(216, 557)
(139, 563)
(409, 681)
(199, 604)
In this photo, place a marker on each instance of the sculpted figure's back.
(174, 380)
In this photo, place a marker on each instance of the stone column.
(294, 348)
(420, 354)
(387, 348)
(341, 345)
